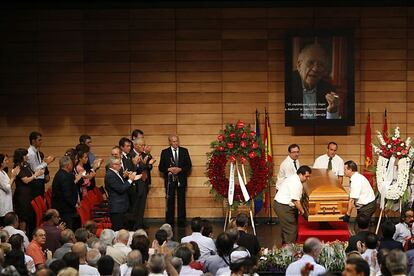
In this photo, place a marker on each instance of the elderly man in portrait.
(311, 95)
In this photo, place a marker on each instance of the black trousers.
(368, 210)
(171, 190)
(138, 206)
(72, 220)
(118, 221)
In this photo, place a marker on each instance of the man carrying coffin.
(331, 161)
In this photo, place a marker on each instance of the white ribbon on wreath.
(392, 182)
(232, 184)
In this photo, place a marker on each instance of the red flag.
(368, 145)
(385, 129)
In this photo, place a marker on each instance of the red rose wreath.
(237, 144)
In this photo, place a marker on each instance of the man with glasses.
(289, 166)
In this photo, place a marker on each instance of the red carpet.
(326, 231)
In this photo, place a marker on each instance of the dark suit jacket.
(143, 167)
(184, 162)
(295, 96)
(390, 244)
(117, 192)
(64, 192)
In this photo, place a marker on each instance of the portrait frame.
(319, 77)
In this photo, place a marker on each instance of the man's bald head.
(134, 258)
(123, 236)
(80, 249)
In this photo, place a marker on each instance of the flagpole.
(269, 153)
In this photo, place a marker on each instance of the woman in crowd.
(23, 194)
(16, 242)
(82, 158)
(6, 194)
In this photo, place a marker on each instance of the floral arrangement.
(393, 165)
(237, 144)
(332, 257)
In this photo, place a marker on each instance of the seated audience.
(356, 267)
(11, 220)
(80, 249)
(57, 265)
(35, 250)
(133, 258)
(92, 257)
(67, 238)
(404, 229)
(53, 229)
(196, 264)
(241, 263)
(311, 250)
(186, 256)
(206, 245)
(363, 230)
(207, 230)
(72, 260)
(369, 253)
(387, 241)
(224, 245)
(106, 265)
(156, 265)
(16, 243)
(247, 240)
(170, 242)
(396, 262)
(16, 258)
(142, 244)
(122, 242)
(140, 270)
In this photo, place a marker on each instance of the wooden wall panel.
(187, 71)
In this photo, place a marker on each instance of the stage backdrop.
(105, 72)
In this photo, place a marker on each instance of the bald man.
(80, 249)
(175, 164)
(53, 228)
(311, 96)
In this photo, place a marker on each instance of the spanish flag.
(267, 137)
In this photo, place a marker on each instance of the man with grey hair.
(311, 249)
(311, 96)
(134, 258)
(122, 239)
(65, 196)
(107, 237)
(156, 264)
(100, 246)
(92, 257)
(67, 238)
(175, 164)
(177, 263)
(170, 243)
(396, 262)
(117, 190)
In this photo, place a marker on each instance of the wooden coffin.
(325, 199)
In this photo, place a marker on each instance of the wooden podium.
(325, 199)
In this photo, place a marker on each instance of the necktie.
(330, 164)
(294, 163)
(175, 157)
(38, 157)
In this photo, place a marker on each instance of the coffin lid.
(324, 185)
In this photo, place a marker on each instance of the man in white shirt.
(311, 249)
(36, 163)
(122, 241)
(84, 269)
(287, 203)
(404, 229)
(290, 165)
(331, 161)
(134, 258)
(206, 244)
(361, 194)
(11, 220)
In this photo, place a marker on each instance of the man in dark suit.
(310, 95)
(144, 167)
(65, 193)
(175, 164)
(117, 189)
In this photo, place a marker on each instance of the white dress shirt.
(125, 270)
(6, 194)
(11, 230)
(124, 248)
(287, 168)
(85, 269)
(206, 244)
(402, 232)
(35, 161)
(361, 190)
(337, 164)
(295, 267)
(291, 189)
(188, 271)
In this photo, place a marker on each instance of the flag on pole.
(385, 129)
(268, 153)
(258, 203)
(368, 145)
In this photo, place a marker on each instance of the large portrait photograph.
(319, 78)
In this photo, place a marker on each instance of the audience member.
(80, 249)
(382, 253)
(35, 250)
(142, 244)
(16, 243)
(106, 265)
(67, 238)
(11, 220)
(177, 263)
(186, 256)
(139, 270)
(363, 226)
(156, 265)
(57, 265)
(224, 245)
(82, 235)
(207, 228)
(387, 241)
(170, 242)
(207, 246)
(356, 267)
(92, 257)
(241, 263)
(6, 193)
(16, 258)
(396, 262)
(161, 236)
(247, 240)
(404, 229)
(72, 260)
(53, 229)
(134, 258)
(311, 249)
(122, 241)
(196, 264)
(370, 252)
(68, 271)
